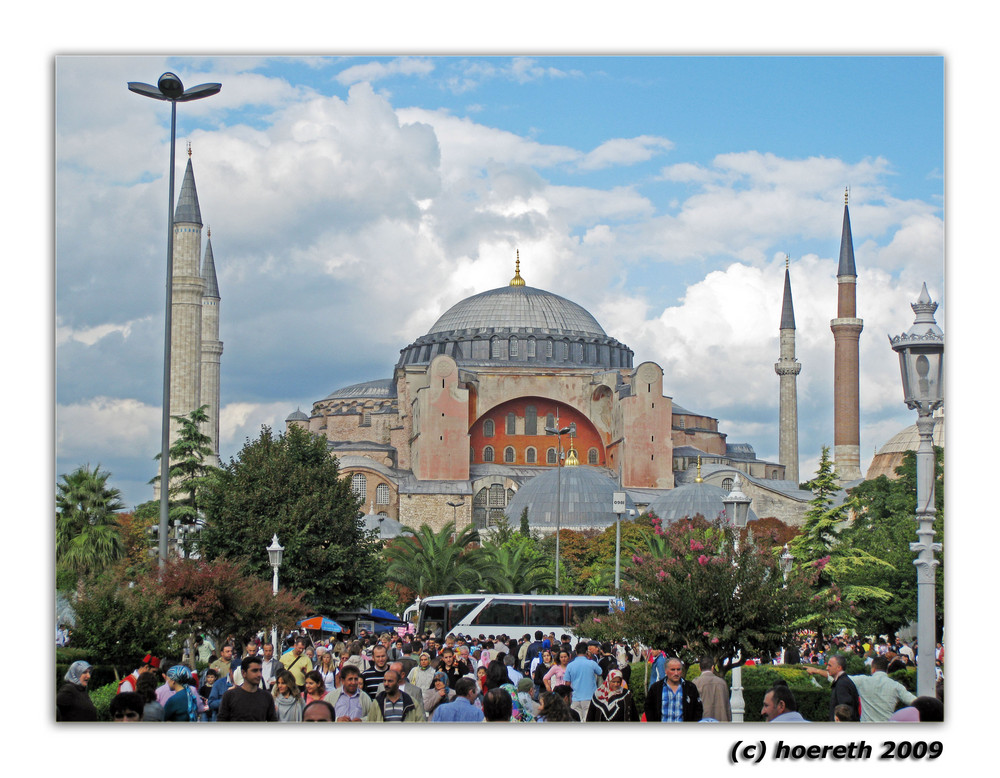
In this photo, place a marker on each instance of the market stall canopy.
(385, 617)
(321, 623)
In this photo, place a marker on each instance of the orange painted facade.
(587, 437)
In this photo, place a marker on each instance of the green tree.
(525, 529)
(702, 596)
(884, 526)
(217, 599)
(188, 472)
(520, 568)
(425, 562)
(120, 620)
(289, 485)
(838, 587)
(88, 537)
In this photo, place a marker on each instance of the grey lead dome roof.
(516, 307)
(691, 499)
(586, 499)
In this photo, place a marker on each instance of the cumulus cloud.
(90, 335)
(375, 71)
(624, 151)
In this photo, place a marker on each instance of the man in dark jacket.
(673, 698)
(843, 691)
(392, 703)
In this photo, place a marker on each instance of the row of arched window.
(530, 423)
(530, 455)
(359, 485)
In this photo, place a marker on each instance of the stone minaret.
(788, 367)
(211, 350)
(186, 308)
(846, 373)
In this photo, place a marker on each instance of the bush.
(102, 697)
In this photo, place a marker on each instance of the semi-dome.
(690, 500)
(890, 456)
(522, 325)
(586, 498)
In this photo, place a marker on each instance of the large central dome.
(518, 325)
(518, 307)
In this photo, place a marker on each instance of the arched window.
(564, 350)
(495, 348)
(508, 454)
(727, 485)
(548, 349)
(530, 420)
(511, 423)
(488, 454)
(531, 348)
(479, 509)
(359, 485)
(550, 456)
(488, 428)
(497, 496)
(513, 347)
(550, 420)
(382, 494)
(592, 456)
(530, 455)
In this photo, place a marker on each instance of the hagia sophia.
(459, 431)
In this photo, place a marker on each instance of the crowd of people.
(418, 678)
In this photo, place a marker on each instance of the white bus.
(508, 614)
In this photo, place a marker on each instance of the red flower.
(703, 560)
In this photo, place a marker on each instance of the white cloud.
(375, 71)
(91, 335)
(624, 151)
(105, 428)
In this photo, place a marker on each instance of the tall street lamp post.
(455, 505)
(558, 432)
(921, 363)
(274, 552)
(737, 507)
(169, 88)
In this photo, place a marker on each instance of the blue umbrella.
(322, 623)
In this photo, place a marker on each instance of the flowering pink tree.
(695, 594)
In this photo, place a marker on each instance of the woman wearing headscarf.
(73, 702)
(183, 703)
(612, 701)
(423, 674)
(438, 694)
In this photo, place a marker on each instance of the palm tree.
(520, 570)
(428, 562)
(88, 538)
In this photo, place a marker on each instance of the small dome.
(297, 415)
(387, 528)
(890, 456)
(691, 499)
(586, 499)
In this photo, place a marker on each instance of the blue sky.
(352, 200)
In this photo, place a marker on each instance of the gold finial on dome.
(786, 262)
(698, 479)
(847, 189)
(517, 280)
(571, 458)
(189, 149)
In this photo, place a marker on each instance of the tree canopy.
(702, 596)
(424, 562)
(289, 485)
(884, 526)
(88, 537)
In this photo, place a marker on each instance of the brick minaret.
(186, 308)
(846, 373)
(211, 350)
(788, 367)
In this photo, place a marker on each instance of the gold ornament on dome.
(517, 280)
